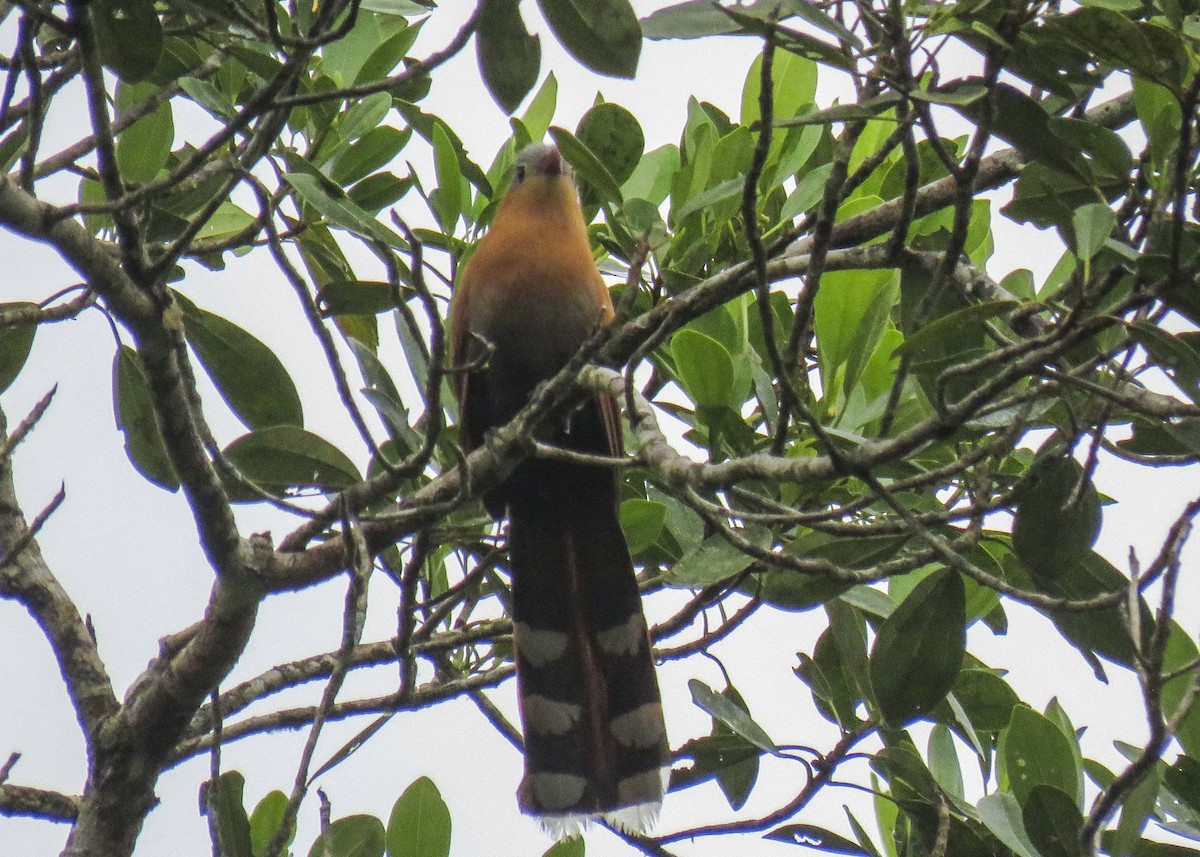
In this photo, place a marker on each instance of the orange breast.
(532, 289)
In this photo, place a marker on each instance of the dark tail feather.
(595, 742)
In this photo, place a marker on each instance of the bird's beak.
(552, 164)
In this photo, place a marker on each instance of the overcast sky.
(126, 550)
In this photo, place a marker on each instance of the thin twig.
(353, 617)
(18, 547)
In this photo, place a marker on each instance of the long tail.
(595, 741)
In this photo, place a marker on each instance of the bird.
(595, 739)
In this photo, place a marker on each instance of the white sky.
(126, 550)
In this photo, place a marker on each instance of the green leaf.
(1049, 197)
(809, 191)
(697, 19)
(919, 649)
(331, 202)
(1102, 632)
(795, 155)
(1108, 155)
(706, 200)
(247, 374)
(614, 136)
(416, 361)
(380, 190)
(851, 312)
(794, 41)
(13, 146)
(642, 522)
(1183, 779)
(398, 7)
(986, 698)
(1146, 847)
(793, 87)
(1135, 812)
(705, 368)
(144, 147)
(836, 671)
(540, 112)
(134, 410)
(1092, 225)
(1058, 715)
(129, 35)
(943, 760)
(724, 756)
(420, 823)
(821, 20)
(908, 779)
(285, 457)
(1152, 437)
(228, 220)
(1174, 353)
(16, 341)
(727, 712)
(265, 821)
(937, 330)
(866, 109)
(1037, 753)
(887, 817)
(381, 392)
(788, 590)
(572, 846)
(817, 838)
(861, 834)
(684, 527)
(509, 57)
(960, 96)
(424, 124)
(804, 45)
(1148, 50)
(1057, 518)
(447, 199)
(224, 801)
(1181, 651)
(641, 217)
(1024, 123)
(651, 179)
(345, 58)
(731, 759)
(372, 151)
(363, 116)
(1161, 117)
(353, 836)
(848, 630)
(364, 735)
(872, 602)
(356, 297)
(382, 61)
(587, 166)
(604, 35)
(1053, 822)
(1001, 814)
(1019, 283)
(716, 559)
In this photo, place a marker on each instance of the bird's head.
(540, 161)
(543, 190)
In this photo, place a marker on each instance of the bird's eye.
(519, 174)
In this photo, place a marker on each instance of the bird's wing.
(464, 351)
